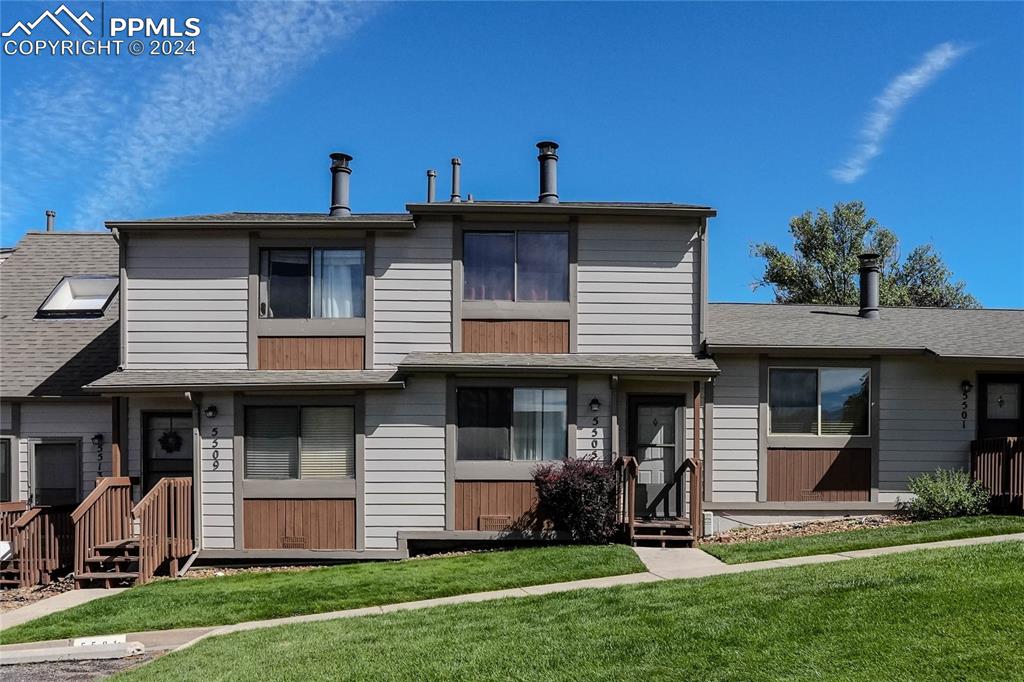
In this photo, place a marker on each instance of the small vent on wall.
(495, 522)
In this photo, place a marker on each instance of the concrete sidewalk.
(57, 602)
(662, 564)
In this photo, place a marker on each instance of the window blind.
(328, 442)
(271, 442)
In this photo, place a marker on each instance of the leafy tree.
(823, 269)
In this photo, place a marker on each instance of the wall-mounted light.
(966, 386)
(97, 440)
(210, 411)
(595, 405)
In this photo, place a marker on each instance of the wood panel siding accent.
(819, 475)
(515, 336)
(311, 352)
(300, 524)
(479, 503)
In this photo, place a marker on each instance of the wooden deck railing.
(9, 513)
(43, 543)
(103, 516)
(625, 480)
(999, 464)
(164, 516)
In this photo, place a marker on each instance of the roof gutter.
(560, 209)
(162, 389)
(325, 223)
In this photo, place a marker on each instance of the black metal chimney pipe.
(456, 180)
(51, 216)
(870, 272)
(340, 173)
(431, 186)
(548, 172)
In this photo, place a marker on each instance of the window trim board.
(836, 438)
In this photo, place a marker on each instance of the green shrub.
(944, 494)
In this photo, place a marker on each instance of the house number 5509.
(216, 444)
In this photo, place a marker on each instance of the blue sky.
(756, 109)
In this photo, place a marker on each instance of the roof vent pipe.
(340, 173)
(870, 272)
(548, 172)
(51, 216)
(431, 186)
(456, 180)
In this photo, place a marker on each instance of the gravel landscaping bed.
(21, 596)
(805, 528)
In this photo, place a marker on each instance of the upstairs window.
(82, 295)
(312, 283)
(299, 442)
(827, 401)
(517, 424)
(515, 266)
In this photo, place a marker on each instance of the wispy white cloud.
(108, 132)
(888, 105)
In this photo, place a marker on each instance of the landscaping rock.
(805, 528)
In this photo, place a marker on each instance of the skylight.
(80, 295)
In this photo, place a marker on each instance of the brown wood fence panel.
(515, 336)
(999, 464)
(819, 475)
(475, 499)
(311, 352)
(300, 524)
(9, 513)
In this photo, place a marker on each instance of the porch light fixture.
(595, 405)
(966, 386)
(210, 411)
(97, 440)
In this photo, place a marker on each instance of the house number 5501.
(963, 411)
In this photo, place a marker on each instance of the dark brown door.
(1000, 411)
(655, 439)
(166, 447)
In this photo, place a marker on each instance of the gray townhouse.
(342, 385)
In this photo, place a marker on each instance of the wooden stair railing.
(103, 517)
(43, 543)
(999, 464)
(626, 468)
(677, 486)
(164, 519)
(10, 512)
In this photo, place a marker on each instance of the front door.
(655, 439)
(55, 474)
(167, 447)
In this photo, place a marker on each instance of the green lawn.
(828, 543)
(233, 599)
(952, 614)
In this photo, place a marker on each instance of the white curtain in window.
(328, 442)
(271, 442)
(338, 283)
(539, 424)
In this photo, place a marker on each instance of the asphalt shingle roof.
(54, 356)
(636, 363)
(970, 333)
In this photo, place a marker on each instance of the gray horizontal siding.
(920, 427)
(637, 288)
(593, 429)
(69, 420)
(187, 300)
(412, 293)
(217, 484)
(734, 475)
(404, 461)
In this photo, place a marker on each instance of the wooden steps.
(112, 564)
(663, 532)
(10, 574)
